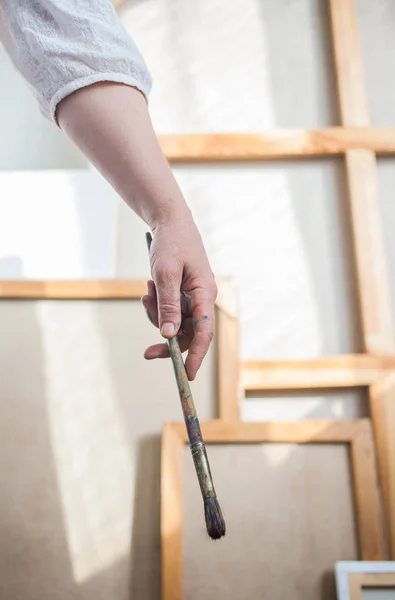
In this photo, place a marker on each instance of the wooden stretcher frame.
(353, 577)
(357, 434)
(227, 355)
(359, 143)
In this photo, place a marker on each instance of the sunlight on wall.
(246, 214)
(277, 454)
(223, 68)
(251, 231)
(60, 224)
(94, 467)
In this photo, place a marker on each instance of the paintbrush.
(215, 523)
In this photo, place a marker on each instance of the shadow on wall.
(36, 547)
(34, 560)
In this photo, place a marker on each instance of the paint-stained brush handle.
(196, 444)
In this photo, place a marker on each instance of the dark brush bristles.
(215, 522)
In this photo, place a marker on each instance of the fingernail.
(168, 329)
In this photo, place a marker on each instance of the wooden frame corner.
(352, 577)
(227, 335)
(357, 434)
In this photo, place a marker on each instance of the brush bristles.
(215, 522)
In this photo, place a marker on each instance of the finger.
(162, 350)
(184, 339)
(186, 303)
(187, 328)
(168, 284)
(151, 289)
(151, 308)
(149, 301)
(203, 321)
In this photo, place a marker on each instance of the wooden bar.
(86, 289)
(296, 432)
(171, 514)
(373, 283)
(367, 497)
(382, 405)
(353, 370)
(228, 147)
(228, 353)
(374, 294)
(361, 169)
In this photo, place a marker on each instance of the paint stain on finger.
(200, 320)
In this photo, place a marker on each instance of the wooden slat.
(367, 495)
(377, 580)
(83, 289)
(354, 586)
(132, 289)
(171, 514)
(228, 353)
(363, 188)
(373, 283)
(349, 67)
(352, 370)
(297, 432)
(382, 405)
(229, 147)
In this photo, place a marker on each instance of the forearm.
(111, 125)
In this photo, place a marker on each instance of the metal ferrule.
(198, 451)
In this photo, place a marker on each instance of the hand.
(180, 299)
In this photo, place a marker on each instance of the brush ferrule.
(202, 467)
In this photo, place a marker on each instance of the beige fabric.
(82, 413)
(289, 513)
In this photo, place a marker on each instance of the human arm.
(110, 124)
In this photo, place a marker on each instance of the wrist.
(168, 213)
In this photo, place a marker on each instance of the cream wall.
(280, 229)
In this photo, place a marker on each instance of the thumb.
(168, 285)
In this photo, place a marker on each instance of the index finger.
(203, 324)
